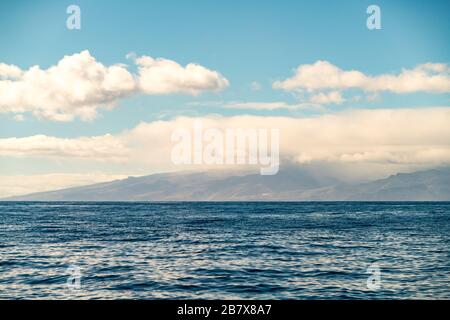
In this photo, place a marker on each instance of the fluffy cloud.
(162, 76)
(9, 71)
(78, 85)
(385, 137)
(324, 76)
(75, 87)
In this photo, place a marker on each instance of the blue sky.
(247, 42)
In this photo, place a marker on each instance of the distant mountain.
(430, 185)
(289, 184)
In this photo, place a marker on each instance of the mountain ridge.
(292, 184)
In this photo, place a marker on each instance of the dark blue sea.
(224, 250)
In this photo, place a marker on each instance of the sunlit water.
(224, 250)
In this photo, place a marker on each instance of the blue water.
(224, 250)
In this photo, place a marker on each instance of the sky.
(100, 103)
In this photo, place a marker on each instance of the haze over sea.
(254, 250)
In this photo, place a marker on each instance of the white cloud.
(162, 76)
(276, 105)
(78, 85)
(386, 137)
(324, 76)
(75, 87)
(327, 98)
(98, 148)
(9, 71)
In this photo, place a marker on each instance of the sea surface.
(335, 250)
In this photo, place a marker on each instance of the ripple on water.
(224, 250)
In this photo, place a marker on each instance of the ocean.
(225, 250)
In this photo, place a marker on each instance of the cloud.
(327, 98)
(98, 148)
(324, 76)
(162, 76)
(75, 87)
(385, 137)
(276, 105)
(79, 85)
(19, 118)
(255, 86)
(9, 71)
